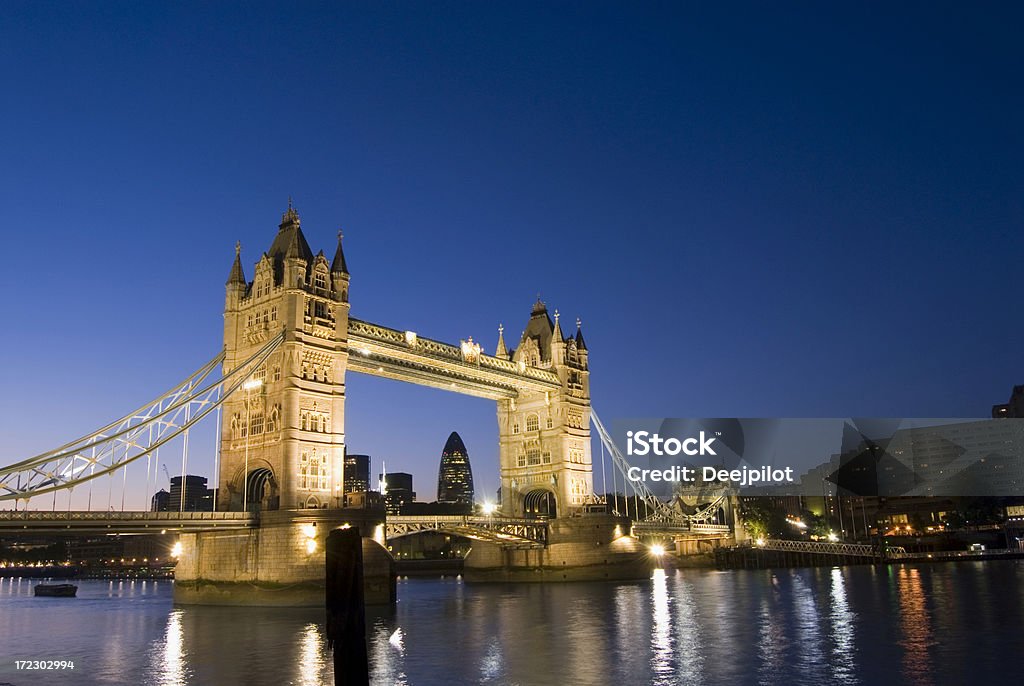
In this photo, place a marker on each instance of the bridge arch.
(261, 489)
(540, 502)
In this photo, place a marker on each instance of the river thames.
(926, 624)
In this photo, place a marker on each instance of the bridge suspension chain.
(133, 436)
(660, 511)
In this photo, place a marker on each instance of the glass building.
(455, 477)
(357, 473)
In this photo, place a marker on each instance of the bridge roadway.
(822, 548)
(507, 531)
(649, 528)
(87, 522)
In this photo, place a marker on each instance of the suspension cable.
(65, 467)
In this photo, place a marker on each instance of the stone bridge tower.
(544, 436)
(290, 419)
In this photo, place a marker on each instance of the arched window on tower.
(532, 422)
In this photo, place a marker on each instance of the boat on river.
(57, 590)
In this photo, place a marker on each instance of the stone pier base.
(585, 548)
(276, 565)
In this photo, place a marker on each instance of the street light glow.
(487, 508)
(252, 384)
(657, 550)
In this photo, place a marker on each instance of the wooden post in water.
(346, 610)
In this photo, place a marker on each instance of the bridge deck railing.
(88, 515)
(822, 548)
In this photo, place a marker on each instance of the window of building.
(551, 422)
(276, 375)
(532, 456)
(515, 428)
(273, 314)
(257, 423)
(532, 423)
(546, 458)
(521, 460)
(320, 279)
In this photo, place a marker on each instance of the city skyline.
(787, 270)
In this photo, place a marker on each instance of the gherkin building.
(455, 477)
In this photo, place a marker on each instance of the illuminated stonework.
(287, 422)
(291, 419)
(544, 436)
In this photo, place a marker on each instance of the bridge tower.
(544, 436)
(288, 423)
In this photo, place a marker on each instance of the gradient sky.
(776, 209)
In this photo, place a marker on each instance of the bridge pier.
(279, 563)
(592, 547)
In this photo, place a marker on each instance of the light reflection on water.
(915, 622)
(842, 646)
(857, 625)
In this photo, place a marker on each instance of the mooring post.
(346, 610)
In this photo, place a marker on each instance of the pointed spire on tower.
(237, 276)
(557, 333)
(338, 266)
(539, 306)
(290, 216)
(501, 351)
(580, 343)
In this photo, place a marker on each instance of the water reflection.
(662, 657)
(807, 653)
(835, 626)
(386, 654)
(493, 665)
(771, 636)
(843, 648)
(689, 648)
(915, 624)
(311, 660)
(173, 667)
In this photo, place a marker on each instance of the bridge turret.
(501, 351)
(236, 284)
(339, 273)
(557, 343)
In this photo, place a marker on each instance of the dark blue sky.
(775, 209)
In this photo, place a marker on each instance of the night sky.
(777, 209)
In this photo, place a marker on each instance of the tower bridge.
(288, 345)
